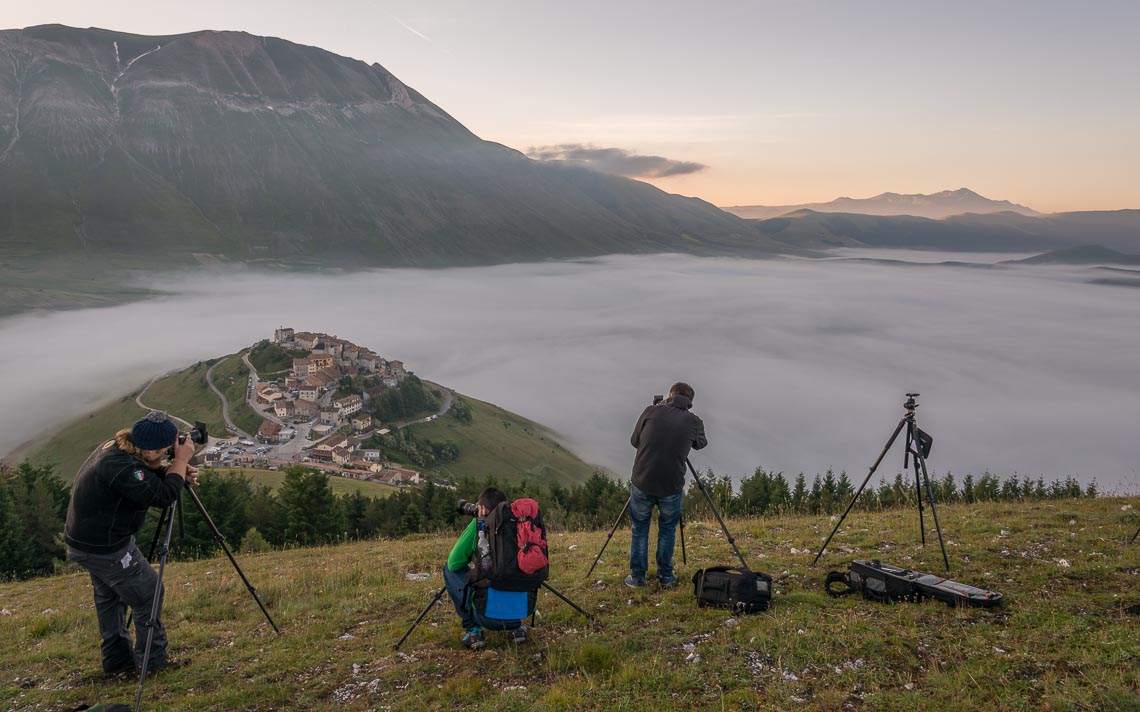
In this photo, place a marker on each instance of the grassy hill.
(340, 486)
(495, 442)
(501, 443)
(1062, 641)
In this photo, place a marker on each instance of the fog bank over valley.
(798, 365)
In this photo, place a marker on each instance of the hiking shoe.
(634, 583)
(667, 583)
(473, 639)
(518, 635)
(127, 669)
(157, 668)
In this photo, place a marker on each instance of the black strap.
(838, 577)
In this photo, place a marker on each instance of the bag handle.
(838, 577)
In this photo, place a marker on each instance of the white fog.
(798, 365)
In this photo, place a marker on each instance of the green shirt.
(461, 553)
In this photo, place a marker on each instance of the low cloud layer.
(798, 365)
(617, 161)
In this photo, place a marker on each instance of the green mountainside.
(220, 147)
(490, 441)
(1062, 640)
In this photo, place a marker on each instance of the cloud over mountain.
(616, 161)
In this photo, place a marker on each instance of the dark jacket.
(663, 436)
(109, 499)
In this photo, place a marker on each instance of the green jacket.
(460, 555)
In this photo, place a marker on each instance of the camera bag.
(734, 588)
(890, 584)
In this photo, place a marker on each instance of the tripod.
(918, 445)
(439, 595)
(167, 516)
(1133, 539)
(708, 498)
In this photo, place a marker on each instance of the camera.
(197, 434)
(657, 400)
(469, 508)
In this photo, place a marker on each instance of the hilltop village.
(315, 412)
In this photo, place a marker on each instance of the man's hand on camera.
(182, 453)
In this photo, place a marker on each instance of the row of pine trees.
(304, 511)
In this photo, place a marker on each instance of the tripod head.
(910, 404)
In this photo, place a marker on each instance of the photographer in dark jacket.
(114, 488)
(663, 436)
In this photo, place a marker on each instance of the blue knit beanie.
(153, 431)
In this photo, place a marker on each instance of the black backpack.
(890, 584)
(519, 555)
(740, 590)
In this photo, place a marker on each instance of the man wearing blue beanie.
(120, 480)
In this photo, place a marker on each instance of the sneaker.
(473, 639)
(518, 635)
(634, 583)
(156, 668)
(667, 583)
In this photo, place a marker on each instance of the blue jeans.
(460, 594)
(668, 514)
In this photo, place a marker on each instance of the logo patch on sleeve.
(139, 475)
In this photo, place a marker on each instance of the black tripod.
(439, 595)
(918, 445)
(1133, 539)
(708, 498)
(167, 516)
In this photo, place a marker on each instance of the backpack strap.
(835, 577)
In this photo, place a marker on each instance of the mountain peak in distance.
(935, 206)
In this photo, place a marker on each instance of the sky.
(798, 365)
(746, 103)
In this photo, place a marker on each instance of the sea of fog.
(798, 365)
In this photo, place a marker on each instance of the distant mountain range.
(233, 147)
(1083, 255)
(934, 206)
(997, 232)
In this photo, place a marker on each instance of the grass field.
(340, 486)
(231, 376)
(498, 442)
(187, 395)
(1061, 642)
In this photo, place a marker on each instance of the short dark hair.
(492, 497)
(682, 389)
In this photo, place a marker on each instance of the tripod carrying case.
(889, 584)
(738, 589)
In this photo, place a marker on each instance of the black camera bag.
(740, 590)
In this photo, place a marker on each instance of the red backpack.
(519, 556)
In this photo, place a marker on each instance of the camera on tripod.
(657, 400)
(469, 508)
(197, 434)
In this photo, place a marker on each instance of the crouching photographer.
(112, 491)
(463, 570)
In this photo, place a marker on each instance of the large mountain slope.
(934, 206)
(253, 148)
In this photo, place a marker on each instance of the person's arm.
(144, 486)
(635, 439)
(460, 554)
(699, 439)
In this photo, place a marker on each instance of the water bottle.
(484, 547)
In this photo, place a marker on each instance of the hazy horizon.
(798, 365)
(763, 103)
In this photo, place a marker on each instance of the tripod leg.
(154, 612)
(891, 441)
(222, 542)
(724, 528)
(435, 600)
(609, 536)
(153, 548)
(917, 482)
(933, 509)
(573, 605)
(1133, 539)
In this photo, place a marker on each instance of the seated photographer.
(120, 480)
(461, 573)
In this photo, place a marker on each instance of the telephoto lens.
(469, 508)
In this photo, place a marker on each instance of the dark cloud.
(617, 161)
(797, 364)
